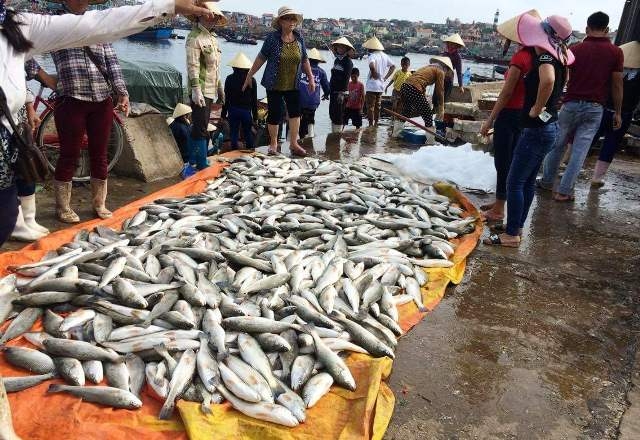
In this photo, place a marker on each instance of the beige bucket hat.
(240, 61)
(222, 20)
(631, 51)
(509, 29)
(446, 61)
(181, 110)
(314, 54)
(283, 11)
(373, 44)
(455, 39)
(343, 41)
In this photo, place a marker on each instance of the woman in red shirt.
(505, 117)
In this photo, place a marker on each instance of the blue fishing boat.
(153, 34)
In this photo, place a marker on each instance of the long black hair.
(12, 32)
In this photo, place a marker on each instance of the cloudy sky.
(435, 11)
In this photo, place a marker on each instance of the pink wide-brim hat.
(531, 33)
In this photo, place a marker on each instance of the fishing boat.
(153, 33)
(242, 39)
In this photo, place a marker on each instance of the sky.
(434, 11)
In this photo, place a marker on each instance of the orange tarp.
(363, 414)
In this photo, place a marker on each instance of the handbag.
(31, 165)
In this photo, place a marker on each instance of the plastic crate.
(414, 136)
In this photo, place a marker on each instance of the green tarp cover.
(156, 84)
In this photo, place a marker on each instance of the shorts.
(355, 114)
(291, 100)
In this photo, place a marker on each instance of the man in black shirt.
(339, 82)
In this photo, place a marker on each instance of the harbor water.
(348, 146)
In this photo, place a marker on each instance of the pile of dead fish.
(252, 291)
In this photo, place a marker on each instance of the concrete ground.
(539, 342)
(536, 343)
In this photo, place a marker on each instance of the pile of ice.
(461, 165)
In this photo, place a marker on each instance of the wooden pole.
(417, 124)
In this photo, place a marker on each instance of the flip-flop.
(542, 186)
(300, 152)
(494, 240)
(271, 152)
(489, 218)
(486, 206)
(563, 197)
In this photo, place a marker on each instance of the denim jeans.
(506, 132)
(240, 117)
(582, 119)
(533, 145)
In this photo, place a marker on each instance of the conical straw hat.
(631, 51)
(240, 61)
(509, 29)
(170, 120)
(221, 19)
(181, 110)
(314, 54)
(443, 60)
(455, 39)
(373, 44)
(344, 41)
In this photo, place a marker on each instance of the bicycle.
(46, 138)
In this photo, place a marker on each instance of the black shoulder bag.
(31, 166)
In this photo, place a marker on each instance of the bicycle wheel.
(48, 141)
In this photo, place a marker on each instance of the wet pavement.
(535, 343)
(538, 342)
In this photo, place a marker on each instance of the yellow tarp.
(363, 414)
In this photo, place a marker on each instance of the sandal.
(487, 206)
(558, 197)
(542, 186)
(298, 151)
(271, 152)
(495, 240)
(489, 217)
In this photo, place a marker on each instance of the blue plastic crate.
(413, 136)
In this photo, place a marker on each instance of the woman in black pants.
(505, 117)
(286, 56)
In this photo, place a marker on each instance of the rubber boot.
(336, 128)
(398, 126)
(310, 131)
(28, 204)
(22, 232)
(99, 197)
(198, 157)
(63, 199)
(599, 172)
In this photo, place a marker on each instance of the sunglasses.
(289, 18)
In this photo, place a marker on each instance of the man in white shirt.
(379, 63)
